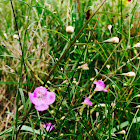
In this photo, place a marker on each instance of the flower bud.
(15, 36)
(112, 134)
(112, 40)
(74, 81)
(62, 118)
(138, 95)
(137, 45)
(108, 66)
(138, 106)
(122, 132)
(109, 27)
(65, 81)
(129, 74)
(84, 66)
(91, 79)
(69, 29)
(101, 105)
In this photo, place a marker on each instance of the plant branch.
(72, 42)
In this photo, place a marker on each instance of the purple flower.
(100, 86)
(48, 126)
(42, 98)
(87, 102)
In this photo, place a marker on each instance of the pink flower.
(100, 86)
(87, 102)
(42, 98)
(48, 126)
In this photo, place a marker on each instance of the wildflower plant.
(37, 47)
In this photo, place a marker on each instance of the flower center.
(40, 94)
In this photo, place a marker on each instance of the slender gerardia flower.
(42, 98)
(87, 102)
(100, 86)
(48, 126)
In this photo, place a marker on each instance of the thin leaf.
(22, 96)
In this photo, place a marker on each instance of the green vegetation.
(36, 50)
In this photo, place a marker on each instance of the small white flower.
(137, 45)
(112, 40)
(69, 29)
(129, 74)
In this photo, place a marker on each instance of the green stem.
(73, 41)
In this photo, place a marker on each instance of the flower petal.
(101, 83)
(95, 82)
(105, 90)
(50, 98)
(42, 107)
(98, 88)
(40, 90)
(52, 127)
(87, 102)
(49, 127)
(44, 126)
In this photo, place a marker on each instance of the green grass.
(46, 55)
